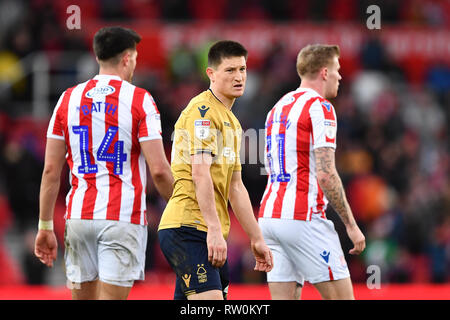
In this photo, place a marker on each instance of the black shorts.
(187, 253)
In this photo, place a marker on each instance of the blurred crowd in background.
(393, 150)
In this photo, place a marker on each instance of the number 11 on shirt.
(282, 176)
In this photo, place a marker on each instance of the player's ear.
(324, 73)
(126, 56)
(210, 74)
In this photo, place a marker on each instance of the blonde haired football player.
(300, 144)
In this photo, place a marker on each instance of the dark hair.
(225, 49)
(111, 41)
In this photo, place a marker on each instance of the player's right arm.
(153, 151)
(152, 147)
(46, 246)
(204, 192)
(331, 185)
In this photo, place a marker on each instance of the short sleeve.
(237, 164)
(203, 131)
(150, 124)
(324, 125)
(56, 128)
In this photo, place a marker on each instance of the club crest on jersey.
(327, 105)
(100, 91)
(203, 110)
(202, 128)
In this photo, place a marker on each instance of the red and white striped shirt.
(299, 122)
(102, 122)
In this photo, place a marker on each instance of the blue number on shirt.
(118, 157)
(86, 166)
(270, 159)
(283, 176)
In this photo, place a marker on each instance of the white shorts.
(111, 251)
(304, 250)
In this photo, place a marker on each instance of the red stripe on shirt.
(264, 201)
(61, 117)
(304, 133)
(278, 205)
(58, 127)
(269, 125)
(138, 116)
(319, 200)
(87, 210)
(115, 182)
(140, 94)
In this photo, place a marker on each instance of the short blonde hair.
(313, 57)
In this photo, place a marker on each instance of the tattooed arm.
(331, 185)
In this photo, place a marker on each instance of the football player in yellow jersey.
(207, 173)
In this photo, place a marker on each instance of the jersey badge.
(100, 91)
(203, 110)
(202, 128)
(330, 129)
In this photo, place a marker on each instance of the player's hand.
(217, 247)
(358, 239)
(45, 247)
(263, 255)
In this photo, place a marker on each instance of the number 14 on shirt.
(118, 157)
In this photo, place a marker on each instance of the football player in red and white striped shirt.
(106, 129)
(300, 161)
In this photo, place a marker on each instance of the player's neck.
(227, 102)
(315, 85)
(111, 72)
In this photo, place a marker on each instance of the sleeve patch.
(202, 128)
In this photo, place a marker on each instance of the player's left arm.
(324, 127)
(242, 207)
(45, 244)
(331, 185)
(159, 166)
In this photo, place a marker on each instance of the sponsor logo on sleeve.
(202, 128)
(330, 129)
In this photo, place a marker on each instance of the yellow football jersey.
(205, 125)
